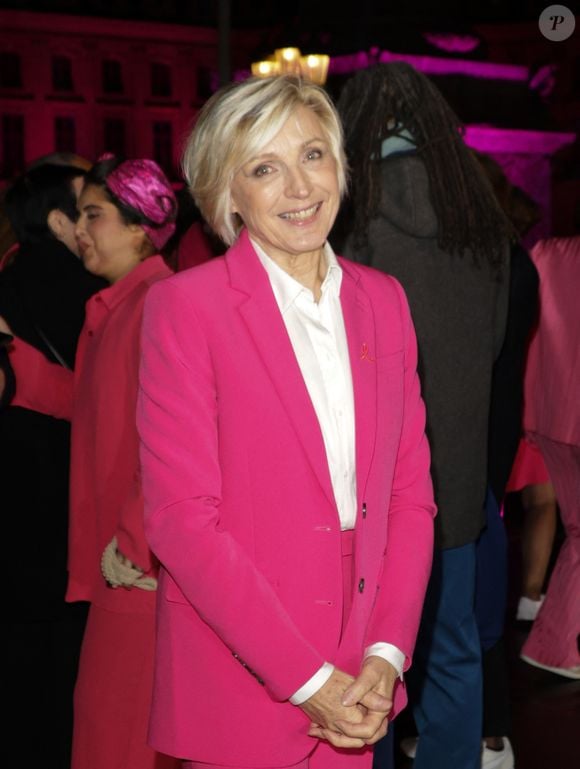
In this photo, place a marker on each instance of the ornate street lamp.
(289, 61)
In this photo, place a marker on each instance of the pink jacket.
(552, 378)
(99, 398)
(240, 510)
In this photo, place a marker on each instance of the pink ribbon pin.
(364, 353)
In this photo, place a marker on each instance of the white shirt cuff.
(313, 684)
(389, 653)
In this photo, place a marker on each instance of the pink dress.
(552, 421)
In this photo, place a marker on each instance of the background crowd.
(221, 471)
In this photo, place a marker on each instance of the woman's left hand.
(376, 677)
(120, 571)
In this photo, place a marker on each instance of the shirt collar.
(402, 141)
(287, 289)
(114, 294)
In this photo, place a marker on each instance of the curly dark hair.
(522, 210)
(375, 104)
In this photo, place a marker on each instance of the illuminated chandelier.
(289, 61)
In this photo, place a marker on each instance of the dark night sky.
(336, 26)
(308, 13)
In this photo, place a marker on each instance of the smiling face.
(288, 194)
(107, 245)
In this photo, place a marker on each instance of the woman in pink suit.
(127, 210)
(552, 421)
(284, 461)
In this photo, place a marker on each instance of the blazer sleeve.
(41, 385)
(177, 417)
(409, 552)
(130, 532)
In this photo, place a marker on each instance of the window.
(163, 145)
(10, 74)
(160, 80)
(115, 136)
(12, 145)
(62, 74)
(112, 76)
(65, 134)
(207, 83)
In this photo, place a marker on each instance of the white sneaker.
(409, 746)
(573, 672)
(498, 759)
(528, 608)
(490, 759)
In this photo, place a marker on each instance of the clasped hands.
(352, 713)
(119, 571)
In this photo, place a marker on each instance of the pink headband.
(142, 185)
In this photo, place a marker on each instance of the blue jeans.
(445, 681)
(384, 757)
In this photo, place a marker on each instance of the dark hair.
(32, 197)
(373, 105)
(60, 159)
(522, 211)
(97, 177)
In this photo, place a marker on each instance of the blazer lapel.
(360, 333)
(266, 326)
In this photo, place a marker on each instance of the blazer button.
(361, 585)
(364, 509)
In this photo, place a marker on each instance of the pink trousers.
(323, 755)
(553, 639)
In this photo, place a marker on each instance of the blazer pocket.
(172, 593)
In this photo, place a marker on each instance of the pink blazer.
(552, 400)
(240, 510)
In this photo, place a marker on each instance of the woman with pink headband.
(127, 212)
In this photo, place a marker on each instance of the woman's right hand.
(4, 327)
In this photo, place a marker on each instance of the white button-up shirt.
(318, 338)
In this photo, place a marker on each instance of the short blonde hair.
(234, 125)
